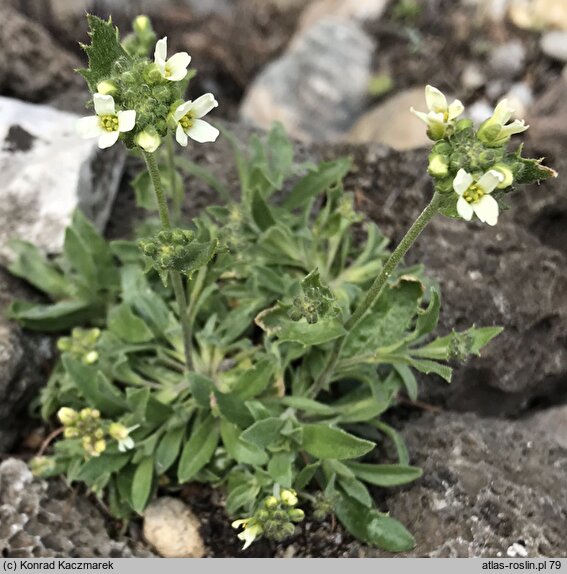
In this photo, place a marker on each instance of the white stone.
(554, 45)
(47, 172)
(391, 123)
(344, 10)
(172, 529)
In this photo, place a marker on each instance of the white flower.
(121, 434)
(440, 114)
(252, 529)
(107, 124)
(174, 69)
(474, 197)
(189, 123)
(494, 130)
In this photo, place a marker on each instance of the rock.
(520, 98)
(553, 423)
(172, 529)
(344, 10)
(48, 171)
(24, 359)
(538, 14)
(33, 67)
(317, 87)
(554, 45)
(391, 123)
(473, 77)
(507, 60)
(47, 519)
(479, 111)
(490, 488)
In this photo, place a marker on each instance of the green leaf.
(409, 380)
(241, 497)
(241, 451)
(104, 51)
(168, 448)
(356, 490)
(427, 320)
(129, 327)
(308, 406)
(233, 409)
(396, 438)
(388, 321)
(385, 474)
(142, 484)
(94, 386)
(97, 467)
(254, 381)
(201, 389)
(314, 183)
(306, 475)
(373, 527)
(426, 366)
(137, 400)
(529, 170)
(263, 433)
(275, 322)
(198, 255)
(261, 212)
(61, 316)
(199, 449)
(280, 468)
(30, 264)
(325, 442)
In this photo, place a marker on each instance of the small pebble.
(554, 45)
(508, 60)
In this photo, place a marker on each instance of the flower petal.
(203, 132)
(126, 120)
(436, 101)
(181, 136)
(421, 115)
(203, 105)
(464, 209)
(462, 181)
(89, 127)
(486, 210)
(107, 139)
(182, 110)
(490, 180)
(177, 66)
(516, 127)
(160, 52)
(502, 112)
(456, 109)
(104, 105)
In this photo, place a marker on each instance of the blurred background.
(342, 70)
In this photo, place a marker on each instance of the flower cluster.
(473, 167)
(140, 100)
(169, 250)
(274, 519)
(93, 431)
(81, 344)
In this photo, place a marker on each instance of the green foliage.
(264, 311)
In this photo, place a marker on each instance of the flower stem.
(175, 192)
(376, 289)
(176, 280)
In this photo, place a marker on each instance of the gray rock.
(490, 488)
(33, 67)
(24, 359)
(41, 519)
(473, 77)
(345, 10)
(318, 86)
(48, 171)
(553, 423)
(554, 45)
(508, 60)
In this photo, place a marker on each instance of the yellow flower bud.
(270, 502)
(99, 446)
(67, 416)
(507, 173)
(70, 432)
(438, 165)
(289, 497)
(106, 87)
(141, 24)
(148, 141)
(118, 431)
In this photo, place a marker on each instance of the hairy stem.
(176, 196)
(176, 280)
(376, 289)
